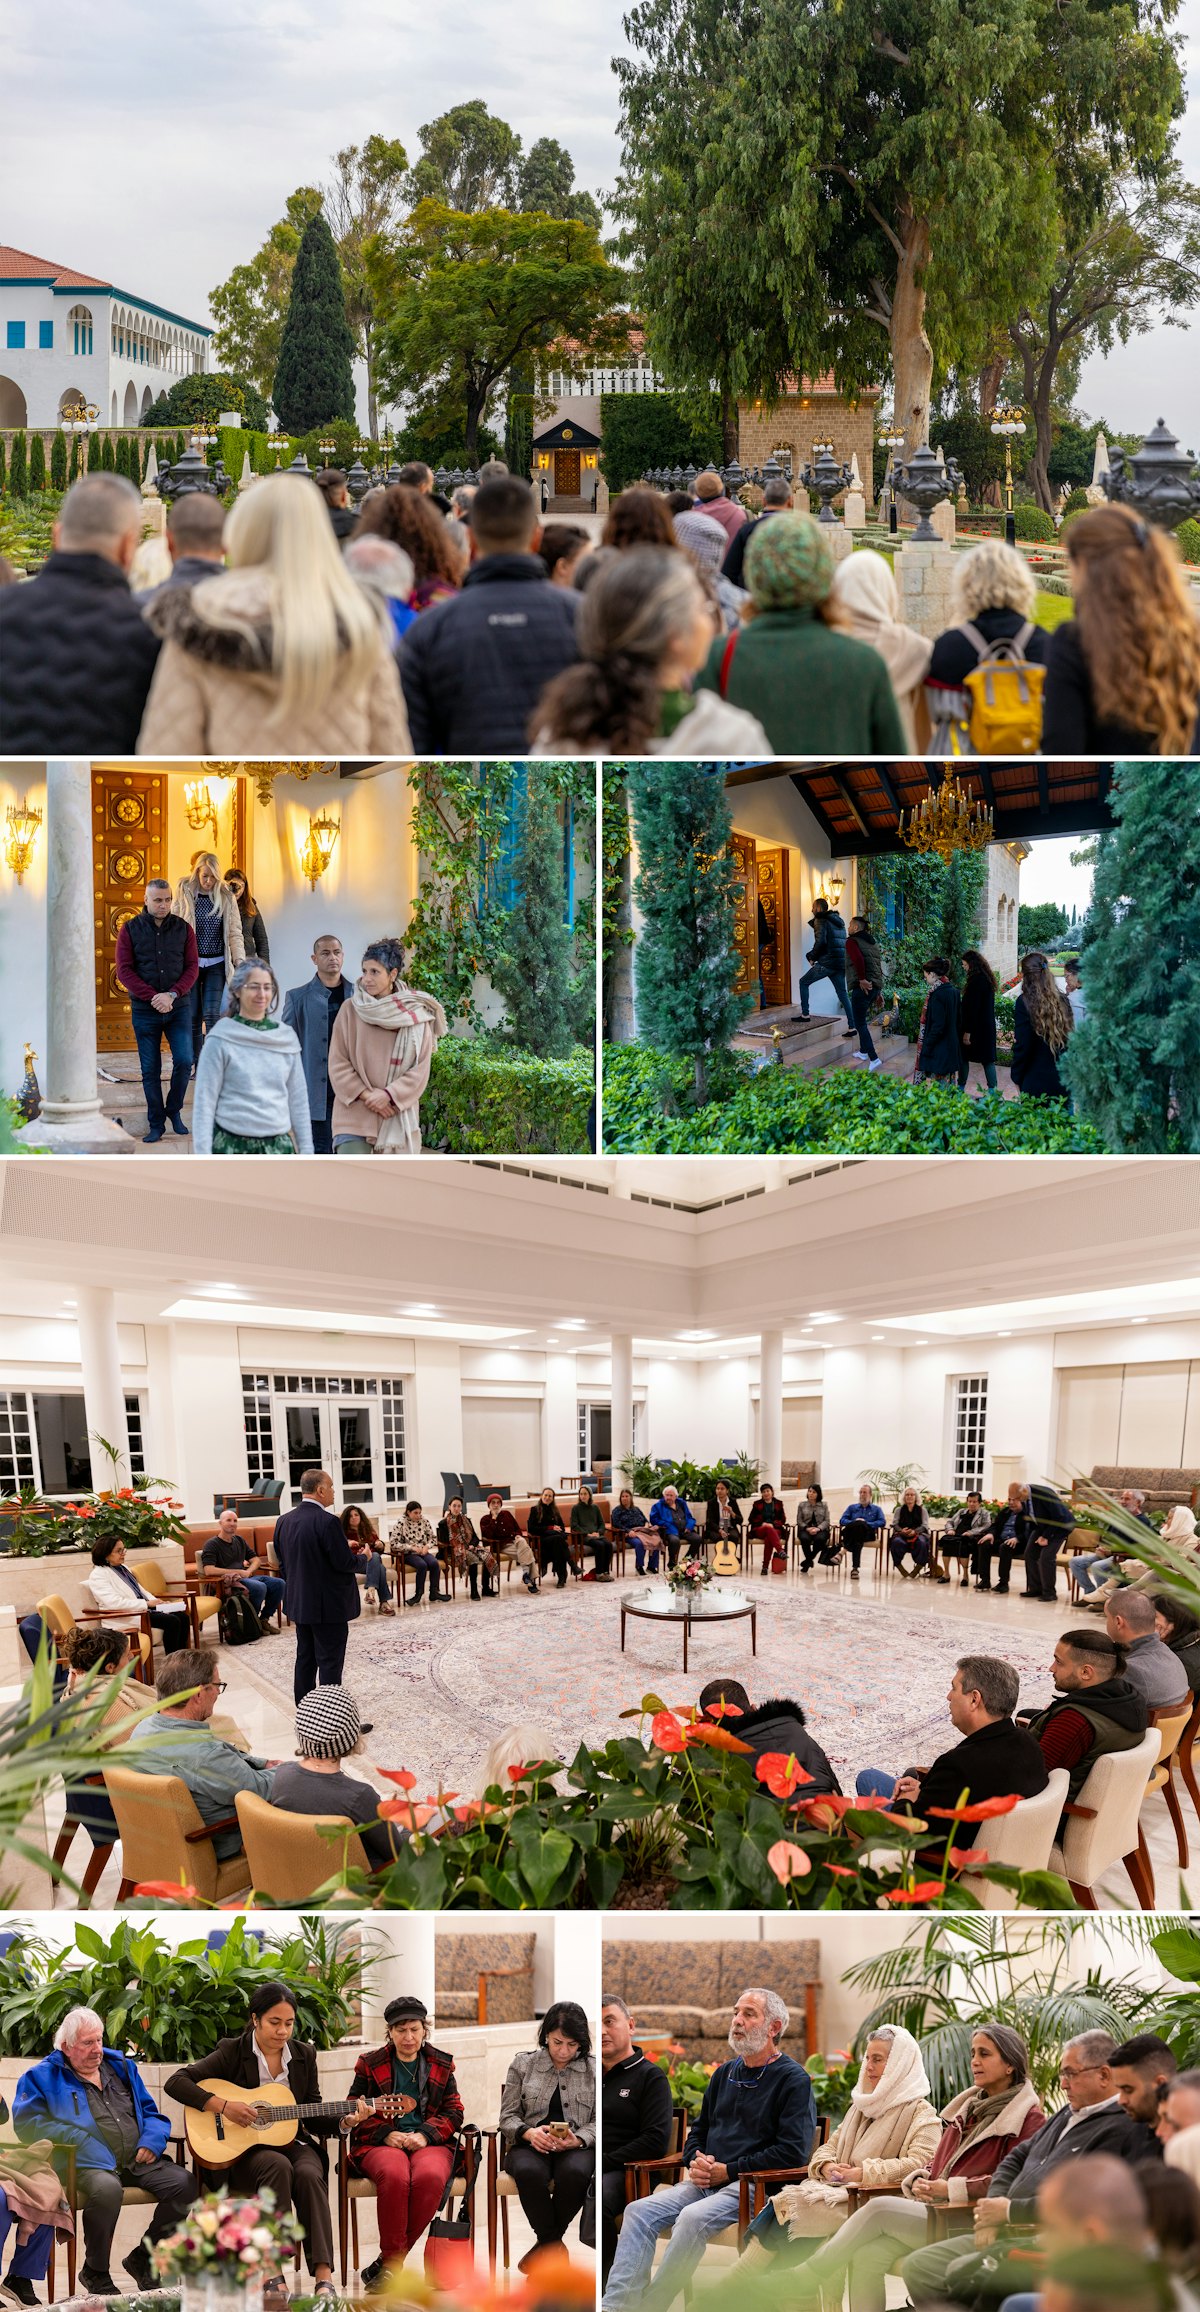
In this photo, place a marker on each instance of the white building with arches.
(66, 336)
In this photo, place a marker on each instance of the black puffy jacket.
(76, 657)
(475, 666)
(780, 1725)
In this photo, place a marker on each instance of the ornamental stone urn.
(926, 483)
(1159, 482)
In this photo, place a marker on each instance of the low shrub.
(484, 1098)
(1032, 522)
(783, 1111)
(1187, 538)
(909, 1002)
(1076, 502)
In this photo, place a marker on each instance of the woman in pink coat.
(380, 1055)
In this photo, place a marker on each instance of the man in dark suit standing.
(320, 1583)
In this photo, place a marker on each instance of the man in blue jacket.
(321, 1586)
(474, 666)
(672, 1517)
(758, 2112)
(90, 2100)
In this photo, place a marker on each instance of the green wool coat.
(815, 691)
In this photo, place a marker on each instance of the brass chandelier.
(264, 775)
(945, 822)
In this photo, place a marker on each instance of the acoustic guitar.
(218, 2141)
(725, 1557)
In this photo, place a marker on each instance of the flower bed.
(35, 1527)
(647, 1109)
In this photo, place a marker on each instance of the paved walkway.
(822, 1042)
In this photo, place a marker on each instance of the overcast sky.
(157, 150)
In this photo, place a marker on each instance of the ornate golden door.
(775, 956)
(742, 851)
(129, 845)
(566, 473)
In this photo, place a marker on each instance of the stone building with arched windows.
(69, 337)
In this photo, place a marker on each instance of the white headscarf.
(865, 591)
(1183, 2151)
(904, 2079)
(1180, 1527)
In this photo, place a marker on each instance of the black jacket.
(938, 1054)
(1034, 1067)
(955, 656)
(712, 1519)
(345, 522)
(781, 1725)
(1106, 2128)
(637, 2113)
(474, 666)
(76, 658)
(993, 1763)
(733, 565)
(317, 1566)
(159, 949)
(234, 2058)
(977, 1019)
(189, 570)
(254, 936)
(1070, 723)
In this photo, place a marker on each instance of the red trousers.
(408, 2186)
(772, 1541)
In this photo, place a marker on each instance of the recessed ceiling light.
(825, 1317)
(1137, 1320)
(70, 1304)
(553, 1344)
(419, 1309)
(806, 1328)
(697, 1336)
(920, 1344)
(1004, 1336)
(877, 1336)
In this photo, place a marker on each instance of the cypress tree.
(686, 888)
(37, 464)
(1133, 1063)
(3, 466)
(121, 456)
(534, 972)
(135, 461)
(18, 472)
(108, 455)
(314, 381)
(58, 461)
(73, 463)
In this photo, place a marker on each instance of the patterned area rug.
(440, 1684)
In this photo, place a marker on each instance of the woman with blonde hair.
(1043, 1020)
(380, 1055)
(282, 651)
(251, 1091)
(206, 902)
(867, 600)
(1124, 672)
(993, 598)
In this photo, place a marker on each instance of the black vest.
(159, 949)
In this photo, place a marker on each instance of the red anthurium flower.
(839, 1870)
(723, 1710)
(781, 1771)
(718, 1738)
(399, 1774)
(967, 1857)
(166, 1890)
(826, 1810)
(787, 1861)
(667, 1734)
(982, 1811)
(922, 1894)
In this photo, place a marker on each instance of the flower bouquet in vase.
(689, 1576)
(224, 2250)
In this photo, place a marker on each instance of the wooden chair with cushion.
(1171, 1726)
(351, 2189)
(1184, 1754)
(753, 2183)
(62, 1623)
(164, 1836)
(132, 2196)
(1102, 1823)
(1023, 1840)
(484, 1978)
(200, 1609)
(287, 1855)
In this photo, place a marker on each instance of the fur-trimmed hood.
(225, 621)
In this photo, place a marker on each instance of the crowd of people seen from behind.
(298, 624)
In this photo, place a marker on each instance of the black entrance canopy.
(858, 804)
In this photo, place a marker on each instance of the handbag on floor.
(449, 2254)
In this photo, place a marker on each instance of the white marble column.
(103, 1396)
(71, 1118)
(621, 1394)
(770, 1405)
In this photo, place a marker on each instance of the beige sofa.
(689, 1989)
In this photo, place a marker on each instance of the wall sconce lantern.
(201, 809)
(23, 824)
(835, 884)
(323, 833)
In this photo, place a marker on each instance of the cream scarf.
(408, 1013)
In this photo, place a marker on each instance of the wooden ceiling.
(858, 804)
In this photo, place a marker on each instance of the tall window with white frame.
(970, 1431)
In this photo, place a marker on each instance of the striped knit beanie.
(328, 1723)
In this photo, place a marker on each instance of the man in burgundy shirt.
(1096, 1708)
(157, 965)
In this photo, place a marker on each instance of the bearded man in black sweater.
(637, 2115)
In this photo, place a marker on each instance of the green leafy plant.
(1032, 522)
(695, 1480)
(1187, 538)
(891, 1482)
(174, 2001)
(834, 2078)
(642, 431)
(483, 1098)
(314, 379)
(953, 1975)
(687, 888)
(40, 1528)
(44, 1742)
(687, 2081)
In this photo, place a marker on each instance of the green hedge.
(911, 1001)
(489, 1100)
(1188, 538)
(642, 430)
(783, 1111)
(1033, 522)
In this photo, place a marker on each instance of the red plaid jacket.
(443, 2103)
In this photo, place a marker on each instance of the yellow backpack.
(1005, 691)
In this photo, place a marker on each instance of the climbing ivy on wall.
(936, 909)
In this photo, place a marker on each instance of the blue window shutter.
(46, 336)
(569, 863)
(16, 336)
(502, 879)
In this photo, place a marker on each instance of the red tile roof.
(19, 265)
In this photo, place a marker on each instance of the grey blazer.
(532, 2079)
(306, 1009)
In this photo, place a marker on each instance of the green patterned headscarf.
(788, 564)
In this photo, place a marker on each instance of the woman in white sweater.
(121, 1598)
(251, 1097)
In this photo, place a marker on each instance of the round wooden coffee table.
(664, 1605)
